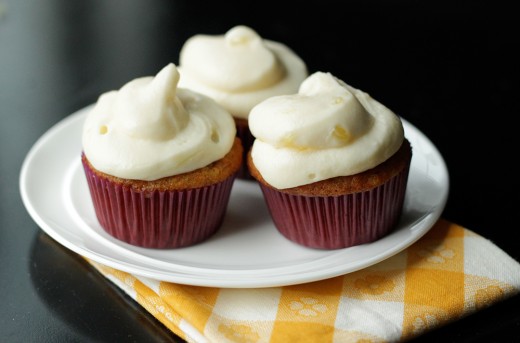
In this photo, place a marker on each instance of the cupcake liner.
(247, 139)
(158, 219)
(336, 222)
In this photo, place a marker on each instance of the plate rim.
(230, 281)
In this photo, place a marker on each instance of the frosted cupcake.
(332, 163)
(160, 162)
(239, 70)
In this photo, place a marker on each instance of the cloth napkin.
(446, 275)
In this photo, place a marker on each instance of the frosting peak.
(242, 36)
(239, 69)
(327, 129)
(151, 129)
(324, 114)
(157, 97)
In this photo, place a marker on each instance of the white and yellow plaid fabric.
(449, 273)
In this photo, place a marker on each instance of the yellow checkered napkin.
(447, 274)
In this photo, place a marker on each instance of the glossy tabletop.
(452, 71)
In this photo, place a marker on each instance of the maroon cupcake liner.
(158, 219)
(247, 139)
(336, 222)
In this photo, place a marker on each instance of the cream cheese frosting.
(327, 129)
(239, 69)
(150, 129)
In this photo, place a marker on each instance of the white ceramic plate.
(246, 252)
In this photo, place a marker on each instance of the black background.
(451, 69)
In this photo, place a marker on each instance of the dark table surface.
(452, 70)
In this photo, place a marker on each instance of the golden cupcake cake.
(238, 70)
(332, 163)
(160, 162)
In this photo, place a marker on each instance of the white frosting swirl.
(328, 129)
(239, 69)
(151, 129)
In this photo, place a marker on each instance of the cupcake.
(332, 163)
(239, 70)
(160, 162)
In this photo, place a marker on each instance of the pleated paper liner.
(337, 221)
(158, 219)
